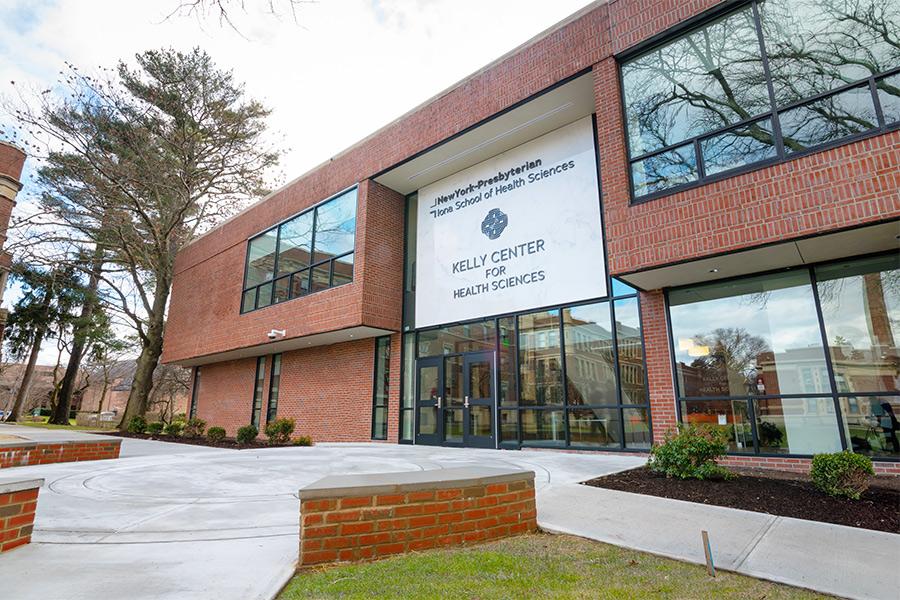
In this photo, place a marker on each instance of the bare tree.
(137, 163)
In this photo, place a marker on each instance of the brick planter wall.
(18, 502)
(797, 465)
(362, 517)
(23, 454)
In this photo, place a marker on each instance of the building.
(656, 211)
(108, 385)
(12, 160)
(44, 386)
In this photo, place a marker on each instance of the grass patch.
(532, 566)
(43, 424)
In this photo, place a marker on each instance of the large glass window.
(307, 253)
(750, 358)
(258, 387)
(195, 393)
(861, 310)
(274, 387)
(570, 376)
(381, 387)
(408, 400)
(769, 79)
(540, 361)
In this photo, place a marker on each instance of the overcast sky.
(346, 68)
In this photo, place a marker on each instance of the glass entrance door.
(479, 402)
(455, 401)
(429, 397)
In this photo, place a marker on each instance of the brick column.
(659, 364)
(18, 503)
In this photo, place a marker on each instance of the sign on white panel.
(518, 231)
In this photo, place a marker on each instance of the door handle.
(439, 401)
(466, 403)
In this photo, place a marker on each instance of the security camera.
(275, 333)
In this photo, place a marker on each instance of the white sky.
(347, 68)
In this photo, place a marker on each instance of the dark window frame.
(259, 383)
(750, 400)
(195, 393)
(772, 114)
(304, 272)
(274, 384)
(381, 426)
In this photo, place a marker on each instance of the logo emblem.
(494, 223)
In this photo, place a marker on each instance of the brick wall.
(797, 465)
(326, 389)
(364, 524)
(18, 503)
(21, 454)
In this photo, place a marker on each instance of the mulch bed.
(201, 441)
(786, 495)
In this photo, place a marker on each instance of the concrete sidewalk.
(833, 559)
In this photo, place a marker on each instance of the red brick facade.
(17, 510)
(365, 526)
(329, 389)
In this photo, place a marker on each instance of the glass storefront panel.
(540, 370)
(590, 361)
(295, 247)
(631, 351)
(729, 416)
(543, 427)
(861, 309)
(871, 424)
(509, 392)
(797, 425)
(471, 337)
(427, 420)
(480, 421)
(509, 426)
(407, 402)
(748, 337)
(636, 423)
(598, 427)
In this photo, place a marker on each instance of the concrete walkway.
(833, 559)
(179, 521)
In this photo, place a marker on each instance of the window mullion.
(776, 123)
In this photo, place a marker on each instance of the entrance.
(455, 400)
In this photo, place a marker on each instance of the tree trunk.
(60, 414)
(148, 359)
(27, 376)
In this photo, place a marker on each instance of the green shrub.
(691, 453)
(303, 440)
(841, 473)
(155, 428)
(279, 431)
(137, 424)
(174, 428)
(247, 434)
(215, 434)
(194, 428)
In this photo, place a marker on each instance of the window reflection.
(815, 46)
(540, 372)
(631, 352)
(754, 336)
(828, 119)
(261, 259)
(705, 80)
(665, 170)
(471, 337)
(590, 362)
(738, 147)
(861, 309)
(871, 424)
(797, 425)
(599, 427)
(295, 247)
(543, 427)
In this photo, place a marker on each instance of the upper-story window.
(308, 253)
(760, 84)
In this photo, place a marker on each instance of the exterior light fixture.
(276, 333)
(714, 270)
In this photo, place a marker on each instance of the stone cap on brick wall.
(369, 484)
(10, 486)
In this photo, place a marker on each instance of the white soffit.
(286, 345)
(545, 113)
(832, 246)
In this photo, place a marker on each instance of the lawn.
(44, 425)
(532, 566)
